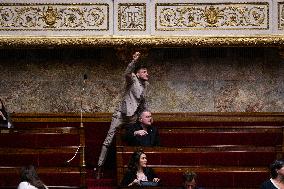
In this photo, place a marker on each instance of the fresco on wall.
(182, 80)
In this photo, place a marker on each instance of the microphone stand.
(82, 91)
(82, 135)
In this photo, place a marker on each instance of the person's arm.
(128, 179)
(151, 175)
(135, 182)
(3, 116)
(131, 66)
(129, 135)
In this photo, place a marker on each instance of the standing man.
(132, 103)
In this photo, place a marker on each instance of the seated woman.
(277, 176)
(30, 179)
(138, 173)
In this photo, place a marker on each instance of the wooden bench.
(208, 161)
(206, 153)
(225, 150)
(57, 152)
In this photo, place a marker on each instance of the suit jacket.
(267, 185)
(151, 139)
(130, 176)
(134, 96)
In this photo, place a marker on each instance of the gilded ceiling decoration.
(160, 23)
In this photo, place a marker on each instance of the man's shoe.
(98, 172)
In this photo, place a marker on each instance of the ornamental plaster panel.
(278, 14)
(55, 17)
(132, 17)
(203, 17)
(166, 23)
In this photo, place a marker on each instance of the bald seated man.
(143, 133)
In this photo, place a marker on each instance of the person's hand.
(156, 180)
(2, 115)
(135, 182)
(140, 133)
(136, 56)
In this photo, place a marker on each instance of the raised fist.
(136, 56)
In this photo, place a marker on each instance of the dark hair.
(139, 67)
(135, 160)
(189, 176)
(2, 107)
(29, 174)
(276, 165)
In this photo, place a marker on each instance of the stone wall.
(182, 80)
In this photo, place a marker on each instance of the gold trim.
(142, 42)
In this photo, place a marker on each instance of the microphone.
(85, 77)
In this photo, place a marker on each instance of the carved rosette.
(50, 16)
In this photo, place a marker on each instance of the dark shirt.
(267, 185)
(4, 123)
(130, 176)
(151, 139)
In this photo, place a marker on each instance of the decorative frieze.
(211, 16)
(144, 18)
(54, 16)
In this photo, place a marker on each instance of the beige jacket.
(133, 100)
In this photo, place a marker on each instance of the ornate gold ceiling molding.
(142, 41)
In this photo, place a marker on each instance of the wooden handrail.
(212, 117)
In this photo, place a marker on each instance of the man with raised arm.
(132, 104)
